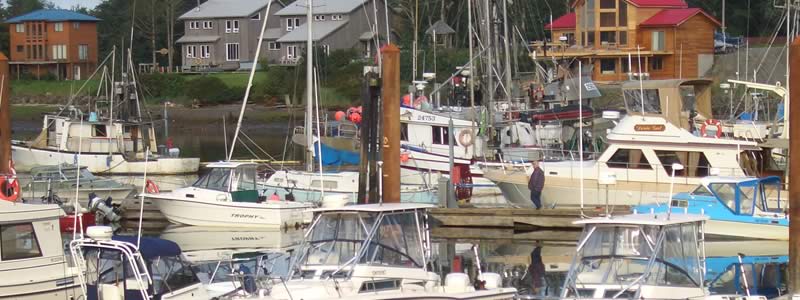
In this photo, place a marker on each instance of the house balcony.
(559, 50)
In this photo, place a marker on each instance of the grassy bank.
(52, 87)
(30, 112)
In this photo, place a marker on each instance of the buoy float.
(151, 187)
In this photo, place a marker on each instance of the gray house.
(338, 24)
(223, 34)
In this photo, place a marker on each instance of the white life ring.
(466, 138)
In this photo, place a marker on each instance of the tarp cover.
(335, 157)
(151, 247)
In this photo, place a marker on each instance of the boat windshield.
(216, 179)
(84, 173)
(336, 239)
(621, 254)
(110, 267)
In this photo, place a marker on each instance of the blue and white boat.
(738, 207)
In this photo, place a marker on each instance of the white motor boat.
(33, 264)
(641, 256)
(211, 244)
(228, 195)
(373, 251)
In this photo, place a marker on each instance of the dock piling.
(391, 123)
(794, 170)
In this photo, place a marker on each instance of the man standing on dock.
(536, 185)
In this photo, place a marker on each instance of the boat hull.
(198, 212)
(47, 280)
(67, 195)
(102, 163)
(742, 230)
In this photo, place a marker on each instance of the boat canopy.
(669, 99)
(742, 195)
(236, 178)
(150, 247)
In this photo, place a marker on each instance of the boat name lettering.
(426, 118)
(649, 127)
(379, 272)
(244, 238)
(244, 216)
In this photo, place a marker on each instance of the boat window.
(171, 274)
(216, 179)
(244, 179)
(747, 194)
(45, 175)
(396, 242)
(615, 254)
(769, 198)
(99, 131)
(18, 241)
(695, 163)
(633, 101)
(327, 184)
(336, 239)
(679, 256)
(379, 285)
(629, 159)
(701, 190)
(441, 135)
(726, 192)
(404, 132)
(766, 279)
(69, 174)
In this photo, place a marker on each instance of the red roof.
(564, 22)
(675, 17)
(652, 3)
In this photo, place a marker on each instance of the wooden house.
(670, 39)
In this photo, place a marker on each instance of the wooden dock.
(518, 219)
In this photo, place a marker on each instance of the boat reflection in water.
(761, 270)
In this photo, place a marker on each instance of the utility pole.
(794, 173)
(391, 124)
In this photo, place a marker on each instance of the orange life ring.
(466, 138)
(711, 122)
(9, 189)
(151, 187)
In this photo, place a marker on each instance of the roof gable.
(322, 7)
(212, 9)
(675, 17)
(649, 3)
(567, 21)
(53, 15)
(440, 27)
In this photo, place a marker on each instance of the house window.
(336, 17)
(441, 135)
(623, 37)
(256, 17)
(274, 46)
(296, 22)
(623, 13)
(76, 25)
(326, 49)
(608, 4)
(657, 63)
(319, 17)
(205, 51)
(235, 26)
(20, 27)
(18, 241)
(629, 159)
(208, 25)
(289, 25)
(608, 66)
(191, 51)
(590, 39)
(59, 52)
(232, 51)
(608, 19)
(20, 48)
(59, 26)
(608, 37)
(626, 68)
(658, 41)
(194, 25)
(291, 52)
(83, 52)
(232, 26)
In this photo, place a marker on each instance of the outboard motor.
(104, 211)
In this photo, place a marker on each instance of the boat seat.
(493, 280)
(457, 283)
(250, 196)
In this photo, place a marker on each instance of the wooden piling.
(391, 123)
(794, 169)
(5, 116)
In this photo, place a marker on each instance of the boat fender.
(9, 189)
(711, 122)
(151, 187)
(457, 265)
(466, 138)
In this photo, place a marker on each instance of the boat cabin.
(70, 134)
(61, 172)
(231, 181)
(638, 256)
(430, 132)
(118, 269)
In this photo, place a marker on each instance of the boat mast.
(5, 118)
(309, 130)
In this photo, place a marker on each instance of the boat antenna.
(580, 127)
(319, 141)
(675, 167)
(250, 80)
(75, 205)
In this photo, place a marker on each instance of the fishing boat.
(229, 195)
(372, 251)
(738, 207)
(60, 180)
(33, 264)
(130, 267)
(641, 150)
(315, 188)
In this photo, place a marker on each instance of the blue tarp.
(335, 157)
(151, 247)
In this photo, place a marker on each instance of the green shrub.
(160, 85)
(209, 90)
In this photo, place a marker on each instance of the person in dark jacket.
(536, 185)
(536, 270)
